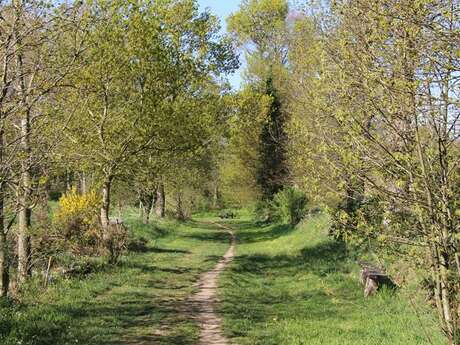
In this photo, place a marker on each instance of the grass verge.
(297, 286)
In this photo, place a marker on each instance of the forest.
(144, 199)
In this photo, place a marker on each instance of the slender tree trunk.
(105, 209)
(25, 212)
(154, 201)
(141, 209)
(147, 208)
(180, 214)
(83, 183)
(217, 202)
(4, 260)
(434, 262)
(161, 200)
(68, 180)
(446, 292)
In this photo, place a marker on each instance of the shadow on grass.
(127, 322)
(257, 286)
(131, 308)
(266, 233)
(217, 236)
(321, 259)
(167, 250)
(129, 316)
(245, 232)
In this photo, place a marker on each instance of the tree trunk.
(446, 294)
(147, 207)
(68, 181)
(25, 212)
(180, 214)
(160, 201)
(105, 209)
(83, 183)
(217, 202)
(4, 261)
(141, 209)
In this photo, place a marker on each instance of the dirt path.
(204, 301)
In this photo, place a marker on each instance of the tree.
(272, 172)
(144, 68)
(32, 70)
(377, 88)
(240, 161)
(260, 26)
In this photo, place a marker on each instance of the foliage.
(260, 27)
(263, 211)
(240, 160)
(373, 107)
(272, 171)
(290, 205)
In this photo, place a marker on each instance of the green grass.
(127, 304)
(297, 286)
(285, 287)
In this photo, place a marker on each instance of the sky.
(223, 8)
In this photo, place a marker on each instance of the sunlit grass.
(137, 302)
(297, 286)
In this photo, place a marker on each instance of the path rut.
(205, 300)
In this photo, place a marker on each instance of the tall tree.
(32, 70)
(145, 64)
(260, 27)
(272, 172)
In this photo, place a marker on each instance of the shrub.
(227, 214)
(76, 223)
(137, 244)
(264, 211)
(116, 241)
(289, 205)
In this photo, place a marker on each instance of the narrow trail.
(203, 303)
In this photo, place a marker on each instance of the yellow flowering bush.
(72, 204)
(76, 221)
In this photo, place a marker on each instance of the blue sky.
(223, 8)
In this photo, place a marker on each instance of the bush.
(289, 205)
(76, 223)
(135, 244)
(227, 214)
(264, 212)
(116, 241)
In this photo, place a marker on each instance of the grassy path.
(284, 287)
(295, 286)
(139, 302)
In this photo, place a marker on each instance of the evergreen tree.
(272, 151)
